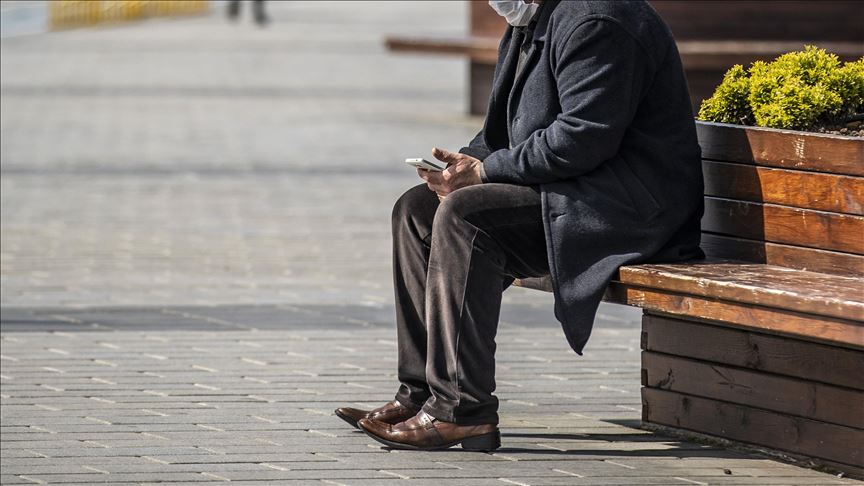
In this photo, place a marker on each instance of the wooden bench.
(763, 342)
(712, 36)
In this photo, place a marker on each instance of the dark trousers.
(452, 260)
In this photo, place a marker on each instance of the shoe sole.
(480, 443)
(347, 419)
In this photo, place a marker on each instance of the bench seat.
(754, 283)
(751, 295)
(766, 298)
(477, 48)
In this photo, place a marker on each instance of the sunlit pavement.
(196, 266)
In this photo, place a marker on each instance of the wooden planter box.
(788, 198)
(768, 353)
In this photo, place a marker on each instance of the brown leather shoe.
(424, 432)
(389, 413)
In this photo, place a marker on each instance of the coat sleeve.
(476, 147)
(601, 72)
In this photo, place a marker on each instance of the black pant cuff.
(451, 416)
(408, 403)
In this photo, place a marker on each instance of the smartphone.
(425, 164)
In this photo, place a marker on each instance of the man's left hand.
(462, 170)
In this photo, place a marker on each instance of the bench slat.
(752, 425)
(808, 327)
(783, 224)
(758, 284)
(793, 396)
(770, 147)
(810, 259)
(723, 54)
(763, 352)
(480, 49)
(800, 189)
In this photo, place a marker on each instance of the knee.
(409, 204)
(456, 206)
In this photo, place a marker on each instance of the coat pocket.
(642, 201)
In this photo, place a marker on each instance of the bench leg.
(803, 399)
(479, 87)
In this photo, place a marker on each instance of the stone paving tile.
(132, 406)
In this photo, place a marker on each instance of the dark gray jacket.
(600, 119)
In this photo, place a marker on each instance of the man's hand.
(462, 170)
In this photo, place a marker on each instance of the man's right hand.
(462, 171)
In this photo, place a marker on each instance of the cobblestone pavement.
(246, 393)
(195, 267)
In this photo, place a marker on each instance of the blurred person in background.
(258, 12)
(588, 160)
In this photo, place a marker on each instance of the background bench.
(763, 342)
(712, 36)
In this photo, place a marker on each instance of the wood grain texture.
(801, 398)
(809, 259)
(756, 284)
(800, 189)
(778, 355)
(754, 426)
(808, 327)
(782, 224)
(772, 147)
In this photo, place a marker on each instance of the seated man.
(588, 160)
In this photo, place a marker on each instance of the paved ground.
(195, 267)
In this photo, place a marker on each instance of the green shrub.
(798, 90)
(730, 102)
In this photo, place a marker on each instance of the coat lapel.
(538, 40)
(504, 62)
(495, 130)
(516, 91)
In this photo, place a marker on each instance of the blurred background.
(159, 153)
(187, 158)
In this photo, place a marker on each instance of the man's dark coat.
(600, 119)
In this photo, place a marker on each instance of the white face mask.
(517, 12)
